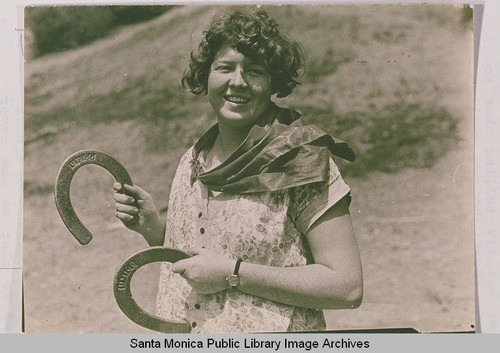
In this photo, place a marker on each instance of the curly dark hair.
(255, 35)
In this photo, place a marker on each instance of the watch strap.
(234, 279)
(237, 266)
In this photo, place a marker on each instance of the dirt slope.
(122, 95)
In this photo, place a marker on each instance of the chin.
(236, 120)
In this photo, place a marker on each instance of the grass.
(66, 27)
(146, 87)
(392, 81)
(397, 136)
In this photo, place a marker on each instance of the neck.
(230, 138)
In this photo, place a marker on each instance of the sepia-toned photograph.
(241, 169)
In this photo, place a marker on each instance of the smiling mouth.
(236, 100)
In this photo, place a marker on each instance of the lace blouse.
(265, 228)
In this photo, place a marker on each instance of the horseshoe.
(123, 294)
(63, 182)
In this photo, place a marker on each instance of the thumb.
(135, 191)
(179, 266)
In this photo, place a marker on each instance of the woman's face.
(239, 89)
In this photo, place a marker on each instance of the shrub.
(397, 136)
(66, 27)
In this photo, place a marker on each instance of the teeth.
(234, 99)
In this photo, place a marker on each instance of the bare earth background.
(373, 70)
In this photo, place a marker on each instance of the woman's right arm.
(138, 202)
(334, 281)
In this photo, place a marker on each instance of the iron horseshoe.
(123, 294)
(63, 183)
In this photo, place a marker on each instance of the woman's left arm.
(334, 281)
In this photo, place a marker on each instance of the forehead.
(230, 54)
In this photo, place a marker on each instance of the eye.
(223, 68)
(257, 70)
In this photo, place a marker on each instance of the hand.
(206, 271)
(138, 203)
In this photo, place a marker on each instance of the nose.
(238, 78)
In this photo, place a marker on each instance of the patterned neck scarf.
(277, 154)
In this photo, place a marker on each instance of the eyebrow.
(223, 61)
(250, 62)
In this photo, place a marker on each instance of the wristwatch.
(233, 280)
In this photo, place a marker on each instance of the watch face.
(233, 280)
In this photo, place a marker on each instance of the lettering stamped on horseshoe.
(63, 183)
(80, 159)
(122, 282)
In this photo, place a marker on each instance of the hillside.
(393, 81)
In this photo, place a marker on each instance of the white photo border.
(487, 158)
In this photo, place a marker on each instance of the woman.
(258, 200)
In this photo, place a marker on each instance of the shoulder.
(183, 170)
(309, 202)
(185, 161)
(187, 156)
(309, 191)
(334, 174)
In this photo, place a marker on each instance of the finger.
(117, 186)
(122, 198)
(124, 217)
(197, 250)
(136, 191)
(132, 210)
(179, 266)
